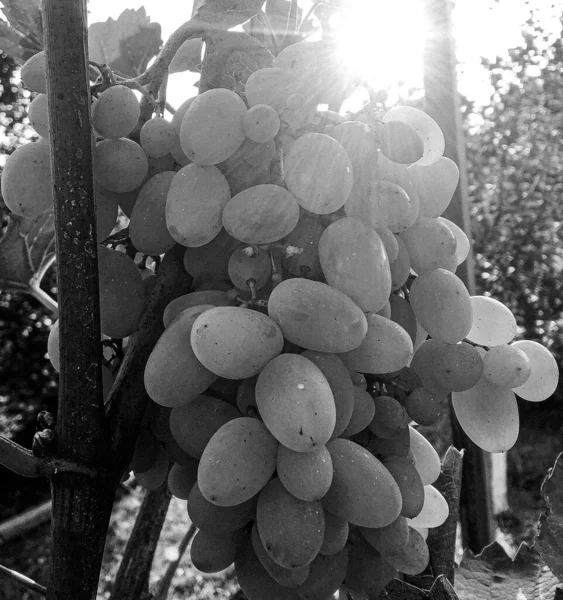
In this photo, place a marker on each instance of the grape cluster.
(325, 321)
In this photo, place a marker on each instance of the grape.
(390, 538)
(318, 173)
(442, 304)
(157, 137)
(431, 245)
(367, 569)
(463, 245)
(261, 214)
(248, 165)
(326, 576)
(403, 315)
(176, 122)
(122, 297)
(33, 73)
(506, 366)
(493, 323)
(290, 578)
(354, 261)
(435, 184)
(305, 475)
(387, 347)
(425, 126)
(336, 534)
(290, 529)
(488, 415)
(194, 424)
(53, 346)
(106, 212)
(435, 509)
(423, 364)
(246, 397)
(296, 403)
(120, 165)
(315, 316)
(408, 479)
(235, 343)
(305, 236)
(385, 311)
(386, 170)
(401, 143)
(457, 367)
(194, 300)
(27, 187)
(156, 475)
(364, 411)
(215, 519)
(237, 462)
(363, 491)
(413, 558)
(147, 226)
(173, 375)
(426, 459)
(389, 417)
(116, 112)
(161, 164)
(181, 480)
(212, 129)
(38, 113)
(340, 382)
(261, 123)
(390, 242)
(254, 580)
(213, 553)
(271, 86)
(211, 260)
(195, 203)
(385, 204)
(400, 267)
(544, 375)
(423, 407)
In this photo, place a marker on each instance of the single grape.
(506, 366)
(431, 245)
(244, 267)
(38, 114)
(116, 112)
(120, 165)
(261, 123)
(157, 137)
(544, 375)
(401, 143)
(435, 184)
(493, 323)
(305, 475)
(33, 73)
(389, 417)
(423, 407)
(463, 246)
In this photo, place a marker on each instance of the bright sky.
(392, 31)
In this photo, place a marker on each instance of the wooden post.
(443, 105)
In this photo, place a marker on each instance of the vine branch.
(23, 580)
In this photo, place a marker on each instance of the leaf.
(126, 45)
(549, 541)
(26, 249)
(441, 540)
(493, 575)
(230, 58)
(225, 14)
(188, 57)
(24, 22)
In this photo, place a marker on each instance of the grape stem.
(46, 300)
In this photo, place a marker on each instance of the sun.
(381, 41)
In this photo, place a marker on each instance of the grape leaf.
(126, 45)
(441, 540)
(224, 14)
(27, 248)
(188, 57)
(230, 58)
(549, 541)
(21, 35)
(493, 575)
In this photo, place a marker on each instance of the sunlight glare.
(382, 41)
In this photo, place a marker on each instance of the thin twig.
(23, 580)
(164, 584)
(45, 299)
(18, 459)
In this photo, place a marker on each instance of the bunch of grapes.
(324, 322)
